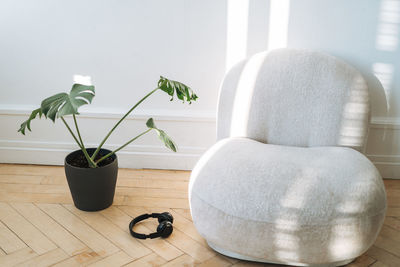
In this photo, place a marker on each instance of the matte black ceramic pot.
(92, 189)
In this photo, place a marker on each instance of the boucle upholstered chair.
(286, 182)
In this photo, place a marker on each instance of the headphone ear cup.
(164, 229)
(165, 216)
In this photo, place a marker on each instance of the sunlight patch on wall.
(236, 39)
(85, 80)
(278, 24)
(389, 26)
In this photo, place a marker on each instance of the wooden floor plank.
(35, 197)
(185, 213)
(47, 259)
(25, 230)
(26, 169)
(171, 175)
(98, 243)
(117, 259)
(187, 227)
(393, 212)
(378, 264)
(393, 201)
(82, 259)
(391, 184)
(151, 192)
(54, 231)
(17, 257)
(20, 179)
(156, 202)
(383, 256)
(216, 261)
(392, 222)
(153, 183)
(117, 236)
(184, 260)
(54, 180)
(34, 188)
(362, 261)
(9, 242)
(151, 260)
(389, 240)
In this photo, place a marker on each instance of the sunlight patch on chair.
(292, 255)
(351, 206)
(342, 239)
(298, 192)
(286, 240)
(244, 95)
(202, 162)
(283, 224)
(354, 119)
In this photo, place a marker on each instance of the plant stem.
(70, 131)
(121, 147)
(116, 125)
(91, 163)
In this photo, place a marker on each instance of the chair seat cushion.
(268, 201)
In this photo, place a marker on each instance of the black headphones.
(164, 228)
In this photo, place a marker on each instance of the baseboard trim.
(151, 154)
(133, 156)
(388, 165)
(385, 123)
(126, 159)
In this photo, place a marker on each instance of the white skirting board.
(193, 131)
(49, 143)
(125, 159)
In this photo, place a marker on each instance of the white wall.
(366, 34)
(126, 45)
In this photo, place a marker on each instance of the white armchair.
(286, 182)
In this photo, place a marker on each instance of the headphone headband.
(164, 229)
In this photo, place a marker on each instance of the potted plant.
(92, 172)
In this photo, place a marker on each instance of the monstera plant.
(92, 172)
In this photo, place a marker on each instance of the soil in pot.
(80, 161)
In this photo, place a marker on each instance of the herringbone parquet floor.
(39, 226)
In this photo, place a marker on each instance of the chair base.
(247, 258)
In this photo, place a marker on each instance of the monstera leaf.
(27, 123)
(67, 104)
(61, 104)
(162, 135)
(183, 92)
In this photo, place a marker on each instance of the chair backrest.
(296, 98)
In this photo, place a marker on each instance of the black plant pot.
(92, 189)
